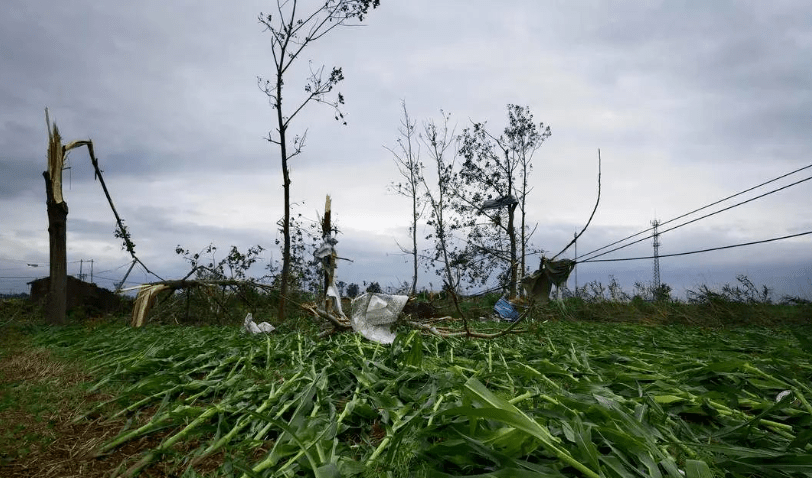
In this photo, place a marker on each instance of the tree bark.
(56, 300)
(283, 293)
(523, 203)
(511, 226)
(330, 263)
(414, 235)
(513, 262)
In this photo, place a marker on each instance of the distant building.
(93, 298)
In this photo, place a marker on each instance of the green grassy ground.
(575, 395)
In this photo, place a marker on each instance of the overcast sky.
(689, 102)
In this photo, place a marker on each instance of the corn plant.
(571, 399)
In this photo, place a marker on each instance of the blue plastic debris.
(505, 310)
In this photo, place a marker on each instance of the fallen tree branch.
(121, 229)
(336, 321)
(148, 293)
(183, 283)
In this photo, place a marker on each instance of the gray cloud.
(688, 102)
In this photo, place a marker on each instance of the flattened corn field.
(567, 399)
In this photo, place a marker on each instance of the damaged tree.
(56, 302)
(525, 138)
(494, 183)
(407, 160)
(445, 257)
(57, 221)
(327, 255)
(291, 32)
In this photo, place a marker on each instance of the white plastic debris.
(783, 394)
(252, 328)
(324, 254)
(327, 247)
(332, 293)
(373, 315)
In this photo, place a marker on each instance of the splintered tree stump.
(56, 303)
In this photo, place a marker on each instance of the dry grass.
(43, 401)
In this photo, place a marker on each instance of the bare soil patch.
(43, 405)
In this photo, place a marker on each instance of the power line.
(701, 250)
(114, 269)
(697, 219)
(24, 261)
(699, 209)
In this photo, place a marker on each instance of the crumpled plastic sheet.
(373, 315)
(326, 250)
(253, 328)
(335, 296)
(499, 202)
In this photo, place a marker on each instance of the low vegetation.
(715, 387)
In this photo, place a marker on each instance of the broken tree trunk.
(56, 301)
(328, 262)
(327, 255)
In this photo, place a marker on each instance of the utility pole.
(82, 275)
(656, 243)
(575, 267)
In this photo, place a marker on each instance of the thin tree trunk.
(513, 262)
(524, 251)
(523, 204)
(283, 292)
(511, 227)
(449, 277)
(414, 235)
(330, 263)
(56, 300)
(441, 234)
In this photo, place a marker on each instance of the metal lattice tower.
(656, 243)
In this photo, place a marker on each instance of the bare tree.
(407, 160)
(291, 32)
(437, 140)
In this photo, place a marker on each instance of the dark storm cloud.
(20, 178)
(720, 73)
(167, 92)
(144, 82)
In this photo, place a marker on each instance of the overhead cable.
(24, 261)
(701, 250)
(699, 209)
(694, 220)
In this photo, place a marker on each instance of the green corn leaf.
(697, 469)
(503, 411)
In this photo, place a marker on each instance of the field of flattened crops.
(566, 399)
